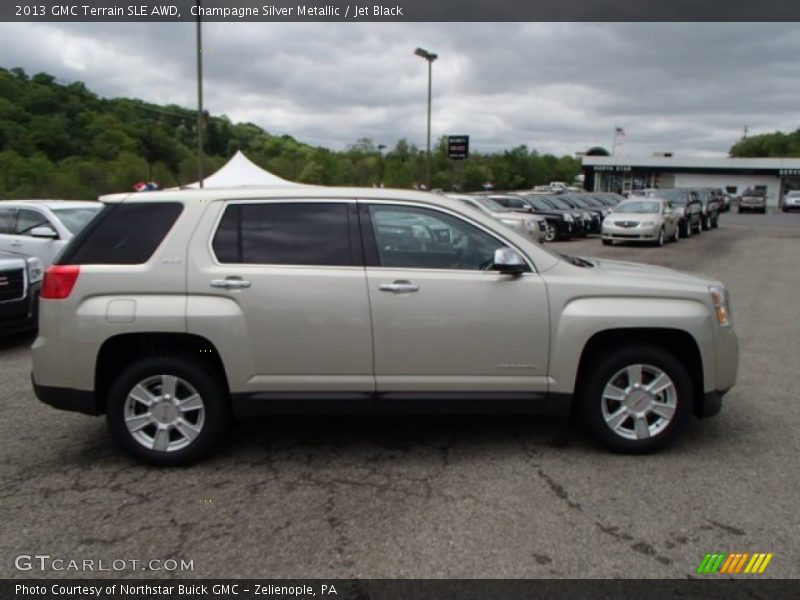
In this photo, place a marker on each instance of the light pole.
(199, 99)
(430, 57)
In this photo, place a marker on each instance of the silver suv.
(171, 312)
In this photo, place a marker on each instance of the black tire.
(705, 223)
(607, 242)
(590, 398)
(660, 241)
(715, 222)
(214, 397)
(686, 229)
(677, 235)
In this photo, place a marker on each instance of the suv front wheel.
(167, 411)
(636, 400)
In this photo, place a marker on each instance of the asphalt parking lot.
(444, 496)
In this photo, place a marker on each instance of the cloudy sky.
(556, 87)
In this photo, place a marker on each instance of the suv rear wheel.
(167, 411)
(636, 400)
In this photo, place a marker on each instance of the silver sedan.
(649, 220)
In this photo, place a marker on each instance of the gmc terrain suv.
(171, 312)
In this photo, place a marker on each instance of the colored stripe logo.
(734, 563)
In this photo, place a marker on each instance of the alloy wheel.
(639, 402)
(164, 413)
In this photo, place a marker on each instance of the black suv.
(20, 280)
(712, 206)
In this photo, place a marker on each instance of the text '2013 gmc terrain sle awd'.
(172, 312)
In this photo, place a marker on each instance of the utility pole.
(199, 99)
(430, 57)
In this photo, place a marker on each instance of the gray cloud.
(557, 87)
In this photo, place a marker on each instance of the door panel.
(460, 331)
(287, 327)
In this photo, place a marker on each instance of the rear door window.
(288, 233)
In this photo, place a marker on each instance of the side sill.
(418, 403)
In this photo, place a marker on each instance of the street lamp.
(430, 57)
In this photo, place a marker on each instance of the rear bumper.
(67, 398)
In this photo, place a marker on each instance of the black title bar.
(399, 10)
(707, 588)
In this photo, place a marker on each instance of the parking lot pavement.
(445, 496)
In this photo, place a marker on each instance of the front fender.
(580, 319)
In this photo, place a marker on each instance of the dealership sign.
(457, 147)
(611, 168)
(790, 171)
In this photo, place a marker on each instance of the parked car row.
(566, 215)
(660, 215)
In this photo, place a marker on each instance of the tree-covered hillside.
(63, 141)
(768, 145)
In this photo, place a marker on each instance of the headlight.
(568, 218)
(35, 269)
(647, 224)
(719, 298)
(510, 222)
(530, 225)
(587, 216)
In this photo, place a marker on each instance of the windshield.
(558, 202)
(674, 196)
(75, 219)
(638, 206)
(490, 204)
(539, 204)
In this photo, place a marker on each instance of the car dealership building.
(664, 170)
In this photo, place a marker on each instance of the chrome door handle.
(399, 287)
(230, 284)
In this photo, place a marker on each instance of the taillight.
(59, 281)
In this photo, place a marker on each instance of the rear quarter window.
(122, 234)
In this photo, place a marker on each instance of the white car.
(791, 201)
(531, 226)
(41, 228)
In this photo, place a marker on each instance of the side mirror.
(44, 231)
(508, 261)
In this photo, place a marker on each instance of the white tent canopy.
(240, 171)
